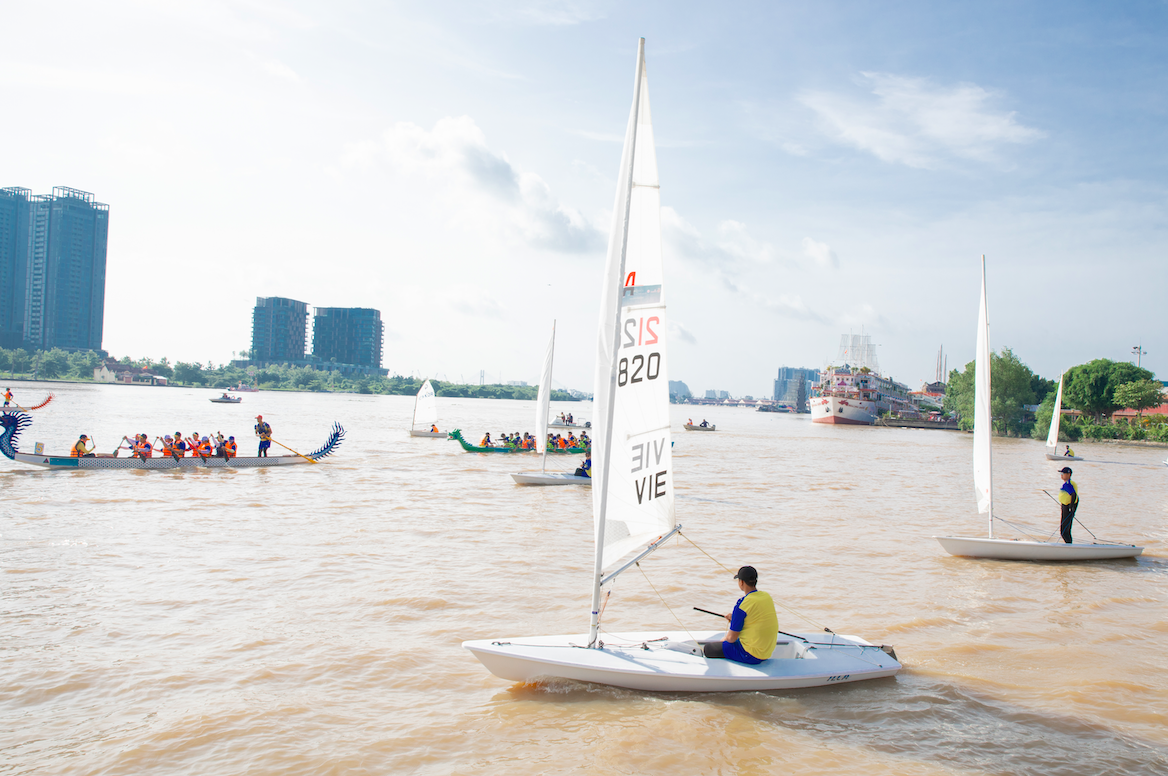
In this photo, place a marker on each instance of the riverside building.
(52, 269)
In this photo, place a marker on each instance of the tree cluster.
(1012, 385)
(58, 365)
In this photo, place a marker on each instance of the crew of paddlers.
(526, 441)
(177, 446)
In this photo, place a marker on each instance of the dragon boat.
(467, 446)
(15, 422)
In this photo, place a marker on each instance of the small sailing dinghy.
(426, 414)
(1052, 436)
(542, 402)
(983, 478)
(633, 496)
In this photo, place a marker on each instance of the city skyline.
(825, 170)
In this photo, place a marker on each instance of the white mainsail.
(425, 408)
(632, 491)
(543, 400)
(1052, 436)
(983, 480)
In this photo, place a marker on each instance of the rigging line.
(789, 610)
(679, 622)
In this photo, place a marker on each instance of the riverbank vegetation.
(1096, 390)
(78, 367)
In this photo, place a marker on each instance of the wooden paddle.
(281, 444)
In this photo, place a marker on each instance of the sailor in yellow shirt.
(754, 626)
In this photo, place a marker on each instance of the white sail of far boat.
(983, 421)
(632, 492)
(425, 413)
(1053, 435)
(983, 478)
(542, 405)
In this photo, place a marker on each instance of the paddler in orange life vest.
(142, 448)
(433, 429)
(7, 396)
(264, 432)
(229, 447)
(80, 450)
(179, 447)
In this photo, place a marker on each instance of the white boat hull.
(550, 478)
(431, 434)
(157, 462)
(1057, 457)
(688, 427)
(1010, 549)
(556, 424)
(226, 401)
(849, 412)
(665, 666)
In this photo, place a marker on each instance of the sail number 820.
(650, 365)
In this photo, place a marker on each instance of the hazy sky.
(825, 168)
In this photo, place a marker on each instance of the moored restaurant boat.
(983, 480)
(856, 393)
(15, 422)
(633, 491)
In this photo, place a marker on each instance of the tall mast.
(626, 195)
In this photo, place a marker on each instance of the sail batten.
(632, 458)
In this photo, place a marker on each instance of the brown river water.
(308, 620)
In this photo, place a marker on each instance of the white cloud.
(914, 122)
(478, 184)
(736, 259)
(820, 253)
(678, 330)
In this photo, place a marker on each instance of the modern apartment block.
(788, 383)
(279, 330)
(52, 269)
(348, 335)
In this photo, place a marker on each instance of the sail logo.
(640, 295)
(646, 455)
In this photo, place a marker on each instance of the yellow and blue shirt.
(758, 626)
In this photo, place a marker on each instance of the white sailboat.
(632, 495)
(542, 403)
(983, 479)
(1053, 435)
(426, 413)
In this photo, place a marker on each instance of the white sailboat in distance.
(542, 404)
(426, 413)
(1053, 435)
(632, 492)
(983, 479)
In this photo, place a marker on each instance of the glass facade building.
(52, 269)
(348, 335)
(279, 330)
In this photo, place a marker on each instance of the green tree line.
(1097, 389)
(57, 364)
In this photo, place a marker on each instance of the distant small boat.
(542, 400)
(711, 427)
(456, 435)
(241, 388)
(426, 414)
(1053, 435)
(225, 399)
(558, 424)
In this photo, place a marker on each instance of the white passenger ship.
(856, 393)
